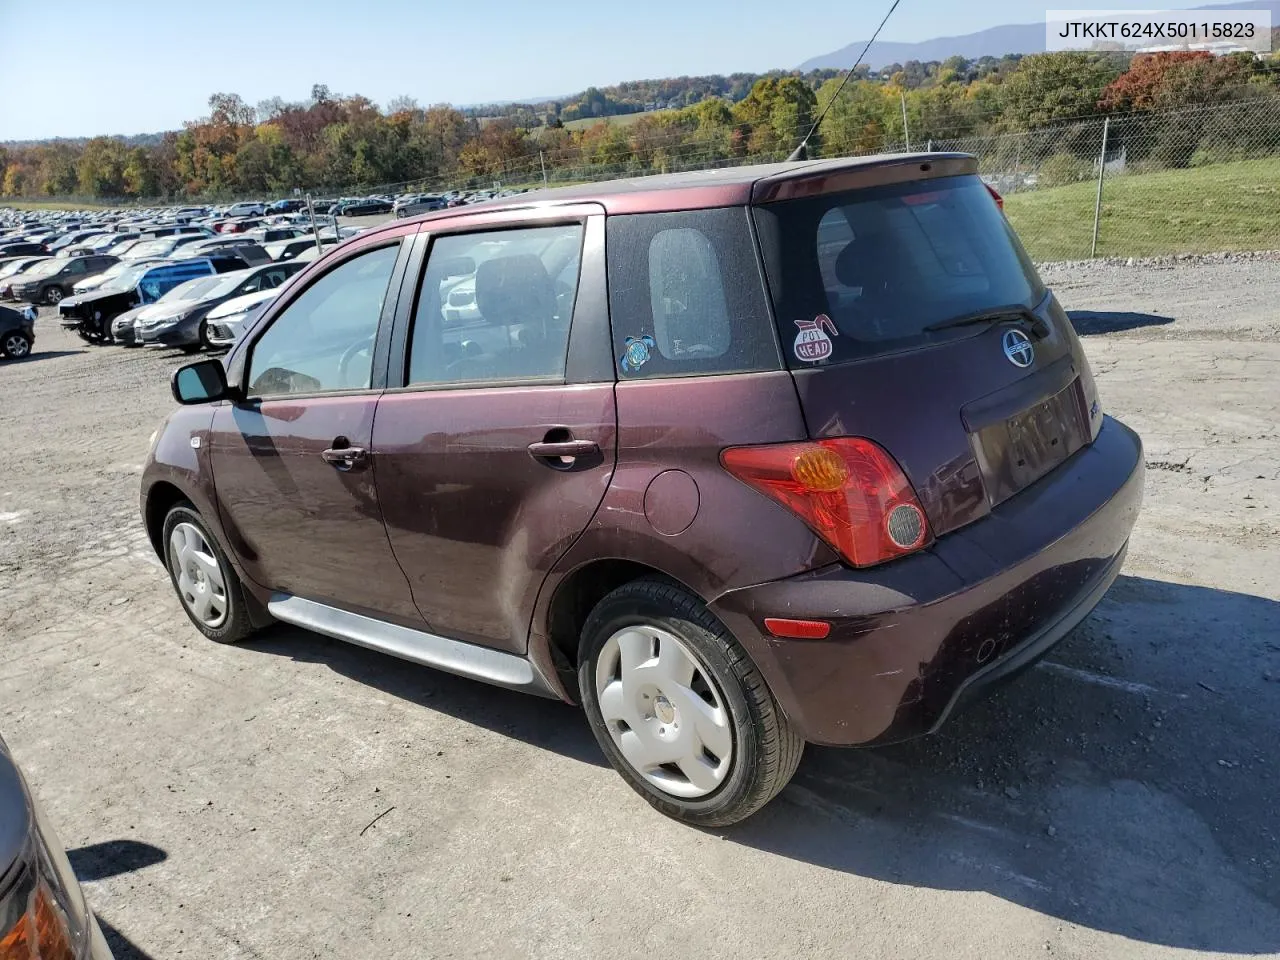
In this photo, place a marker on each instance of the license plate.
(1017, 452)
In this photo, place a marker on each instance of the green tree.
(1051, 87)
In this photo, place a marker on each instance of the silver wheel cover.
(16, 346)
(664, 711)
(201, 584)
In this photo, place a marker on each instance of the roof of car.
(723, 186)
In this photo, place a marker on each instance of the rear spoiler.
(837, 176)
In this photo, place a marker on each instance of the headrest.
(514, 289)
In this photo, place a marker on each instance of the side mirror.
(204, 381)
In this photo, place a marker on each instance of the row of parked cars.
(174, 278)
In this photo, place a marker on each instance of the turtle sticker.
(635, 353)
(812, 343)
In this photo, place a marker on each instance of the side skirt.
(453, 656)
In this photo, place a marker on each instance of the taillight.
(995, 195)
(848, 490)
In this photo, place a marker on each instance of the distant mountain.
(993, 42)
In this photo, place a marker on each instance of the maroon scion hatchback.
(736, 459)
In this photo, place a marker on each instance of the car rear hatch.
(910, 315)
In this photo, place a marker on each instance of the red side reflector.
(994, 195)
(797, 629)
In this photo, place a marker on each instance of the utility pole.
(544, 169)
(906, 134)
(315, 232)
(1097, 203)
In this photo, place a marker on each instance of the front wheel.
(53, 296)
(679, 708)
(16, 345)
(203, 577)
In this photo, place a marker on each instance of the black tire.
(766, 749)
(238, 623)
(16, 345)
(52, 295)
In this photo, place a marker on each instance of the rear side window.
(495, 307)
(686, 297)
(865, 272)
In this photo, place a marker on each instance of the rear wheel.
(53, 296)
(16, 345)
(679, 708)
(203, 578)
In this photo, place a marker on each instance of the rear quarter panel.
(737, 536)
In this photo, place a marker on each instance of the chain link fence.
(1201, 179)
(1198, 180)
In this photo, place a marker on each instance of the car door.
(291, 462)
(495, 441)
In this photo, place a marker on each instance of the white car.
(247, 209)
(227, 321)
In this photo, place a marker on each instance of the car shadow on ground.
(1127, 784)
(1091, 322)
(38, 354)
(1089, 789)
(548, 724)
(99, 861)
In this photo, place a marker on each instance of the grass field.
(55, 205)
(1225, 206)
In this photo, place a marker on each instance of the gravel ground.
(1119, 800)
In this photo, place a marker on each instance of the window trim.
(242, 361)
(589, 217)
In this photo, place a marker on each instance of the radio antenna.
(802, 152)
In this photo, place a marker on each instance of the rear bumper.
(913, 639)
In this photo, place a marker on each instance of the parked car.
(17, 334)
(51, 280)
(229, 319)
(124, 328)
(365, 207)
(418, 203)
(286, 206)
(162, 246)
(21, 248)
(181, 322)
(11, 268)
(729, 487)
(289, 249)
(73, 239)
(246, 209)
(140, 284)
(43, 913)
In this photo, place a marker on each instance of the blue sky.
(86, 67)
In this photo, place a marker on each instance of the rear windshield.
(862, 273)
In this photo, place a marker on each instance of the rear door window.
(495, 307)
(686, 297)
(865, 272)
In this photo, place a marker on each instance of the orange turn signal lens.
(41, 932)
(820, 469)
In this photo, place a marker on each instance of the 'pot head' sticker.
(812, 343)
(635, 353)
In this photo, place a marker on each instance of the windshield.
(192, 289)
(9, 269)
(865, 272)
(150, 248)
(123, 275)
(46, 268)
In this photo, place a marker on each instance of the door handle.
(563, 449)
(344, 458)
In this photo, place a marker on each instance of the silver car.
(42, 908)
(228, 320)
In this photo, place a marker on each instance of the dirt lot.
(1120, 800)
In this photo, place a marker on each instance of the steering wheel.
(353, 351)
